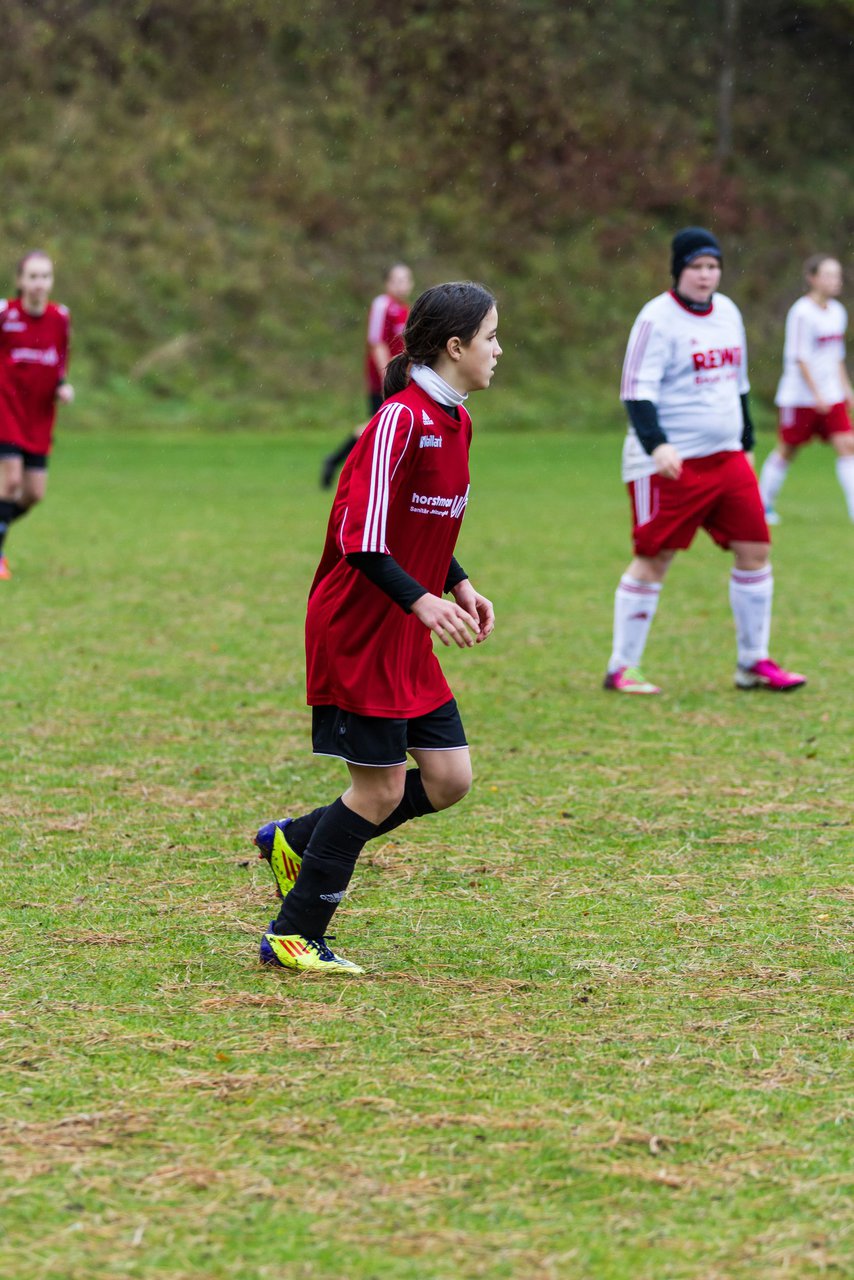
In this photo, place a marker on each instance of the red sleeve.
(375, 475)
(64, 341)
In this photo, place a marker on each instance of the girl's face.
(476, 360)
(35, 281)
(700, 278)
(399, 283)
(827, 281)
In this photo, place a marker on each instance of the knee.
(844, 445)
(450, 789)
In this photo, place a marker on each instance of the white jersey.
(694, 369)
(815, 335)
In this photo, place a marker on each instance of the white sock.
(771, 478)
(845, 476)
(751, 592)
(635, 604)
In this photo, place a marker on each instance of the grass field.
(603, 1033)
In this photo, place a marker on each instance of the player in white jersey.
(814, 396)
(686, 462)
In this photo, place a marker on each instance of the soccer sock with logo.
(751, 592)
(415, 804)
(327, 867)
(635, 604)
(845, 476)
(774, 471)
(9, 511)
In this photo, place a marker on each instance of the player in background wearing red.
(815, 395)
(687, 462)
(33, 365)
(376, 689)
(386, 322)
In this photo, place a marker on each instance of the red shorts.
(719, 494)
(798, 426)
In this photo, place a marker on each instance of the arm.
(643, 416)
(820, 403)
(747, 430)
(380, 355)
(847, 389)
(465, 621)
(64, 389)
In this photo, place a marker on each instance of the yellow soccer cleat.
(308, 955)
(273, 847)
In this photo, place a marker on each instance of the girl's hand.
(667, 461)
(476, 604)
(65, 393)
(447, 620)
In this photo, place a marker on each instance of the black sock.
(342, 453)
(9, 511)
(327, 867)
(415, 804)
(299, 832)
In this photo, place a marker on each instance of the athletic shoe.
(308, 955)
(772, 516)
(5, 571)
(767, 675)
(284, 863)
(629, 680)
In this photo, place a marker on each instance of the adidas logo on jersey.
(430, 442)
(426, 419)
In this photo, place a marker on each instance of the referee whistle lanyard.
(437, 388)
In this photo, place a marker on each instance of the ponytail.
(446, 311)
(396, 375)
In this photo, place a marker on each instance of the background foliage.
(223, 181)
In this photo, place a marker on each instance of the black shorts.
(380, 742)
(375, 402)
(31, 461)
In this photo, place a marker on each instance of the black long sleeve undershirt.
(643, 416)
(384, 572)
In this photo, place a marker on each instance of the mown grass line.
(603, 1033)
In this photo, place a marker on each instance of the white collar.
(437, 388)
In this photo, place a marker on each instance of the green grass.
(603, 1034)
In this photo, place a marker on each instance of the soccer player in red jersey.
(386, 322)
(687, 461)
(814, 396)
(376, 689)
(33, 365)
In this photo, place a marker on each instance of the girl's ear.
(454, 348)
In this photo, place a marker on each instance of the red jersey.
(33, 362)
(403, 492)
(386, 323)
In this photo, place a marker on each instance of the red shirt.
(403, 491)
(386, 323)
(33, 362)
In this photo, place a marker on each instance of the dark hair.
(814, 262)
(446, 311)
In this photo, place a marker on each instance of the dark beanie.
(688, 244)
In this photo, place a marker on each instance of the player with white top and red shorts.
(33, 363)
(814, 396)
(384, 340)
(687, 464)
(376, 689)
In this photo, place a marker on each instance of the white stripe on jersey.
(634, 360)
(373, 538)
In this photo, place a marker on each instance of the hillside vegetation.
(222, 183)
